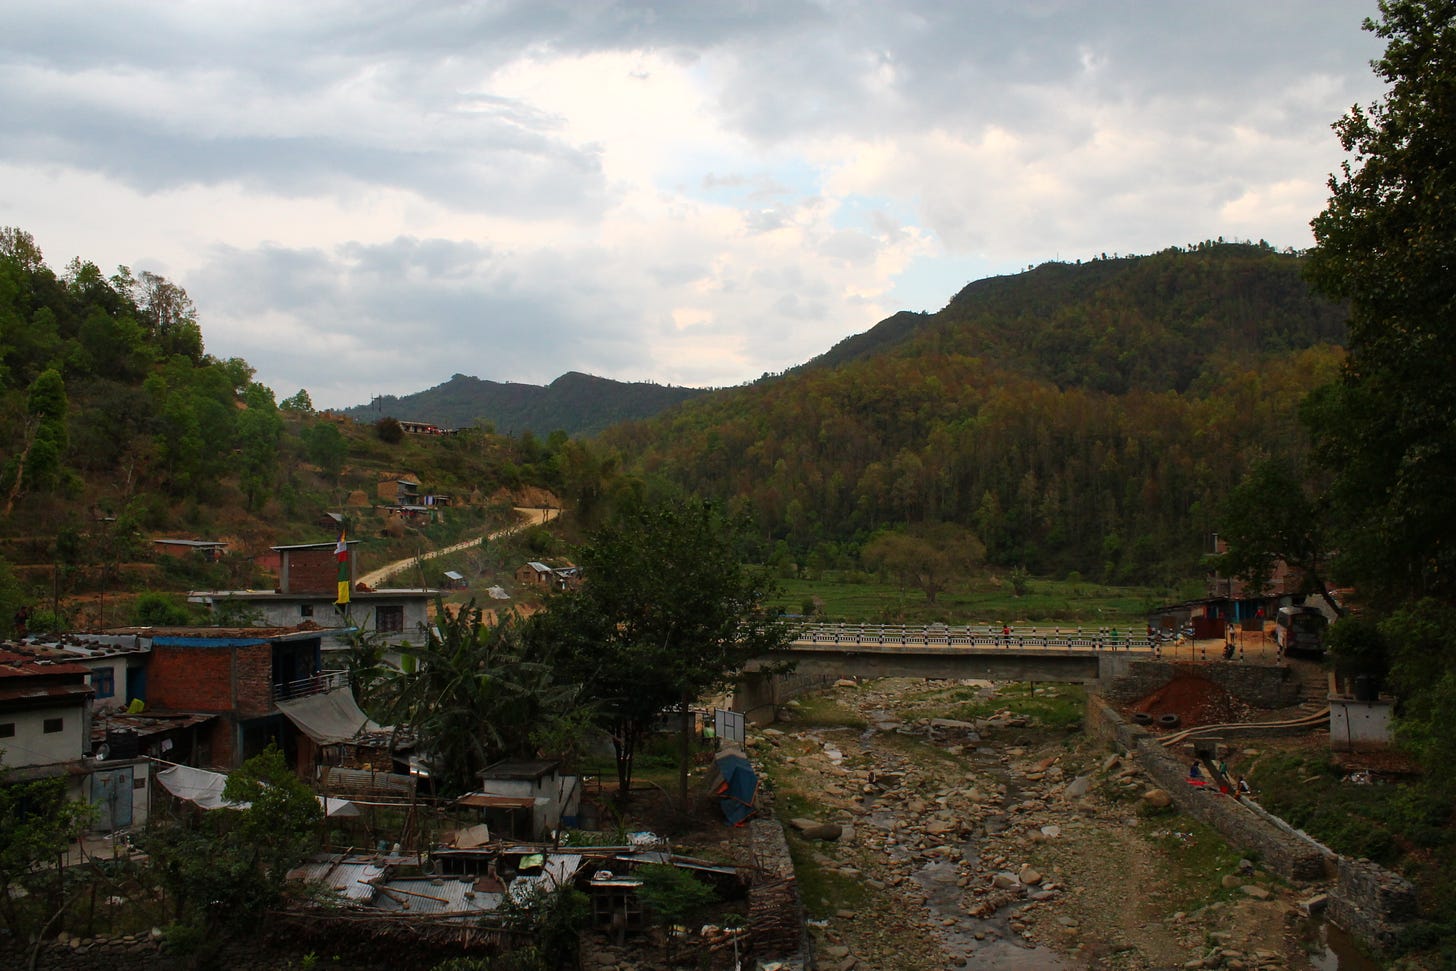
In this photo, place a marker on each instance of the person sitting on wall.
(1195, 775)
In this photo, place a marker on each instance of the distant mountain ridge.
(1080, 418)
(578, 404)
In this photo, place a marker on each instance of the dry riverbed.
(935, 825)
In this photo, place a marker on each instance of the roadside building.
(308, 578)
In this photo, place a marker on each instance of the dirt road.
(529, 517)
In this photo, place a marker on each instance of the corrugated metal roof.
(14, 665)
(439, 897)
(353, 880)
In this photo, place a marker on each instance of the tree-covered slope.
(578, 404)
(118, 428)
(1076, 417)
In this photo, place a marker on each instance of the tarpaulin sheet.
(205, 789)
(198, 786)
(739, 788)
(329, 718)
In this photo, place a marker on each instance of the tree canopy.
(1386, 244)
(667, 611)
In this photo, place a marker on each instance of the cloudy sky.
(368, 197)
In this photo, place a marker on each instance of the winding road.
(529, 517)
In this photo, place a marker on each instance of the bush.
(389, 431)
(159, 610)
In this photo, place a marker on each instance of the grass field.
(858, 598)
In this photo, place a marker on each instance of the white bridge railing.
(936, 635)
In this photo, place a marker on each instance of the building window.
(104, 681)
(389, 620)
(53, 725)
(305, 610)
(7, 730)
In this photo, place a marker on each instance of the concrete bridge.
(825, 653)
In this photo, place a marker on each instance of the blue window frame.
(104, 681)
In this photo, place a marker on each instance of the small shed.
(204, 549)
(454, 580)
(535, 572)
(525, 798)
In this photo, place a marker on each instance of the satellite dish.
(103, 752)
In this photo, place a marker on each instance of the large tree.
(931, 556)
(1270, 516)
(1387, 245)
(667, 612)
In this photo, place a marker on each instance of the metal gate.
(730, 725)
(111, 795)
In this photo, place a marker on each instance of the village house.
(237, 676)
(46, 732)
(400, 490)
(536, 573)
(308, 576)
(179, 549)
(117, 665)
(525, 798)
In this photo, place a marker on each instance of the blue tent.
(737, 789)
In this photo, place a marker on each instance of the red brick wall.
(212, 679)
(190, 678)
(222, 743)
(312, 571)
(255, 680)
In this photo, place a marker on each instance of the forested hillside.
(1074, 417)
(118, 428)
(578, 404)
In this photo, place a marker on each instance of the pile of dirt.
(1196, 701)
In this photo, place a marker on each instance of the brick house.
(401, 491)
(237, 675)
(555, 578)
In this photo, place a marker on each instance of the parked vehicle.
(1300, 631)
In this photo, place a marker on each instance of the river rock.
(1157, 798)
(1029, 875)
(1078, 787)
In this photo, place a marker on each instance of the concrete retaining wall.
(758, 695)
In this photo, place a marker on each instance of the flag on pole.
(341, 553)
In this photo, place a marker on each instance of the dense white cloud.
(367, 198)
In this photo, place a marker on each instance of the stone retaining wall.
(775, 913)
(1281, 852)
(1260, 685)
(1369, 902)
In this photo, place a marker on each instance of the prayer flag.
(341, 553)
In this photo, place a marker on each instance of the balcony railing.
(313, 685)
